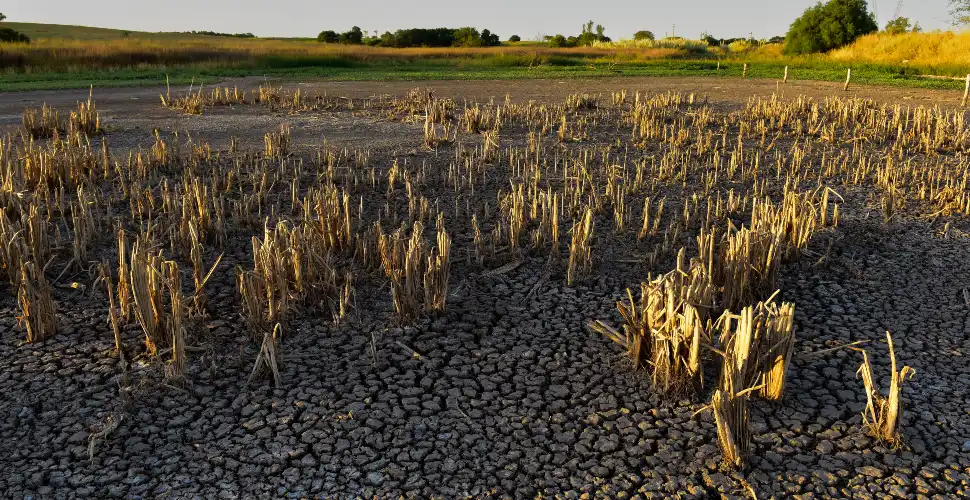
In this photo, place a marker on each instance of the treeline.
(11, 36)
(586, 38)
(416, 37)
(720, 42)
(213, 33)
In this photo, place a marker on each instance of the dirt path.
(131, 114)
(144, 101)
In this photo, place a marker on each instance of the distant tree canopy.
(353, 37)
(11, 36)
(644, 35)
(826, 27)
(439, 37)
(585, 39)
(902, 25)
(717, 42)
(470, 37)
(960, 10)
(328, 36)
(212, 33)
(515, 38)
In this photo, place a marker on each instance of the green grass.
(500, 66)
(483, 69)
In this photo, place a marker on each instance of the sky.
(526, 18)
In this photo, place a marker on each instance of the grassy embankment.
(74, 56)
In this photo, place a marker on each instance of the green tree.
(353, 37)
(826, 27)
(898, 26)
(557, 41)
(468, 37)
(9, 35)
(643, 35)
(515, 38)
(2, 16)
(490, 39)
(328, 36)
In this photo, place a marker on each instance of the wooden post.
(786, 74)
(744, 74)
(848, 76)
(966, 92)
(718, 65)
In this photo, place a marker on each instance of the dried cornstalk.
(762, 335)
(733, 433)
(883, 414)
(174, 321)
(580, 249)
(438, 271)
(147, 291)
(112, 311)
(268, 360)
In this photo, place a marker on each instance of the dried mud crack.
(506, 392)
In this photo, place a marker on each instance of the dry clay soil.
(511, 396)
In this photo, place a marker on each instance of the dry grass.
(65, 54)
(936, 49)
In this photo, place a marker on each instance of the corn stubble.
(723, 199)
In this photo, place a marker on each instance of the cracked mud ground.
(508, 394)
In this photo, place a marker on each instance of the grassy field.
(76, 57)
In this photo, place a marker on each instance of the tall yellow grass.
(939, 49)
(71, 55)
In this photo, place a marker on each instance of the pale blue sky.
(527, 18)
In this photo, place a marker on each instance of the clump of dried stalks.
(765, 334)
(152, 281)
(883, 413)
(297, 264)
(41, 124)
(666, 328)
(757, 346)
(580, 248)
(419, 274)
(36, 305)
(277, 144)
(86, 120)
(746, 267)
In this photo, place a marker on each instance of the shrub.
(490, 39)
(11, 36)
(353, 37)
(467, 37)
(558, 41)
(328, 36)
(643, 35)
(902, 25)
(830, 26)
